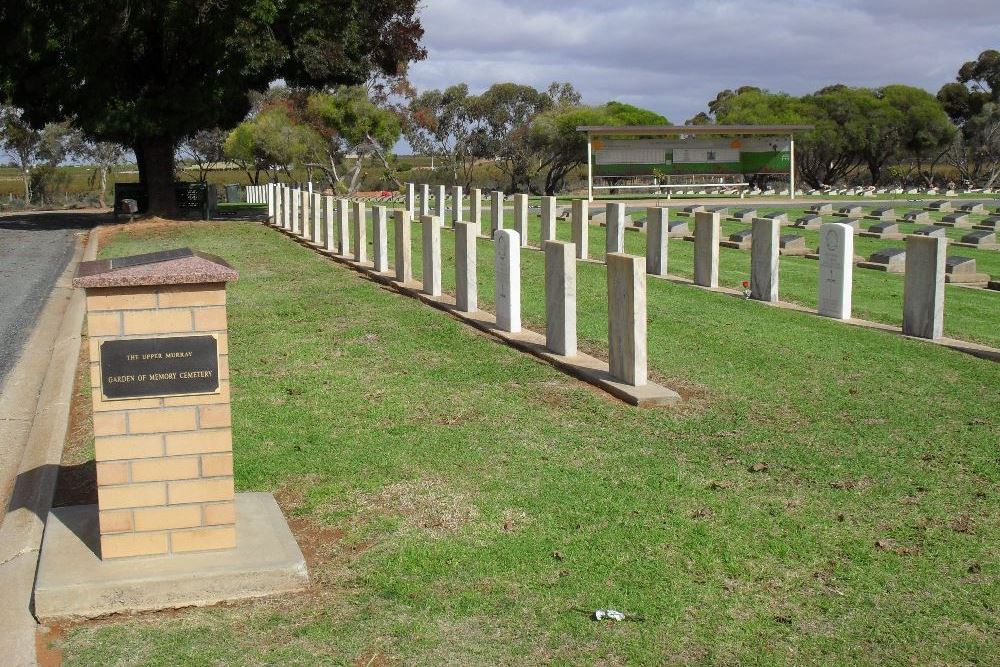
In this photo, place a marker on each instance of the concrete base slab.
(874, 266)
(73, 582)
(884, 237)
(974, 279)
(794, 252)
(976, 246)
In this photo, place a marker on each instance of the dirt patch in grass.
(427, 505)
(319, 542)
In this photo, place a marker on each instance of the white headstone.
(380, 239)
(425, 199)
(496, 212)
(439, 202)
(764, 259)
(615, 238)
(627, 319)
(404, 251)
(508, 279)
(307, 228)
(456, 204)
(580, 221)
(466, 279)
(317, 213)
(360, 240)
(836, 270)
(706, 249)
(331, 234)
(343, 227)
(560, 297)
(548, 218)
(476, 209)
(657, 234)
(409, 201)
(923, 288)
(432, 254)
(521, 217)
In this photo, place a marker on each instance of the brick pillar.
(164, 459)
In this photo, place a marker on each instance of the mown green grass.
(488, 503)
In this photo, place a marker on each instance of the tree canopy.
(147, 74)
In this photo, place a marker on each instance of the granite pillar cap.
(180, 266)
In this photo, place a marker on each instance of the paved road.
(34, 251)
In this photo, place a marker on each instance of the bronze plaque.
(173, 366)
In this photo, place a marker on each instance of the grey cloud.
(674, 56)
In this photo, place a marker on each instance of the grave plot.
(962, 271)
(957, 220)
(882, 230)
(890, 260)
(740, 240)
(981, 239)
(882, 214)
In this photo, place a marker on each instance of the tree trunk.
(155, 156)
(26, 174)
(104, 186)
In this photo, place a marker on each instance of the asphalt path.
(34, 251)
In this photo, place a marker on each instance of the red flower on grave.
(746, 283)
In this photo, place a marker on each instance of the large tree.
(147, 73)
(560, 147)
(439, 123)
(973, 102)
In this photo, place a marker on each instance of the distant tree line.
(895, 132)
(529, 135)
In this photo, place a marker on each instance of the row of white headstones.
(327, 222)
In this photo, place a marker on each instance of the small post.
(521, 217)
(432, 254)
(380, 241)
(836, 270)
(496, 212)
(456, 204)
(548, 218)
(508, 280)
(615, 226)
(343, 225)
(657, 235)
(923, 287)
(764, 259)
(466, 280)
(627, 319)
(560, 297)
(706, 249)
(404, 251)
(360, 241)
(581, 227)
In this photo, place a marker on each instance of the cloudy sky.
(673, 56)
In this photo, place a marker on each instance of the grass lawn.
(825, 495)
